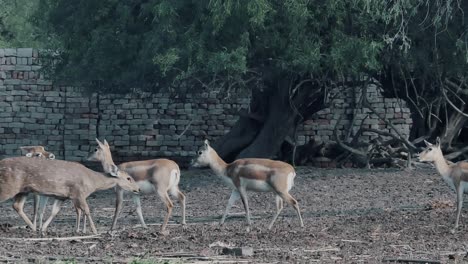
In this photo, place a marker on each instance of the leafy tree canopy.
(16, 30)
(160, 43)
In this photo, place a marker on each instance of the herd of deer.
(38, 172)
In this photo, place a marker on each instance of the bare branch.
(452, 104)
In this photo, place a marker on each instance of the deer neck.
(102, 181)
(218, 165)
(107, 165)
(442, 167)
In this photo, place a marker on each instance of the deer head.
(204, 156)
(432, 152)
(103, 154)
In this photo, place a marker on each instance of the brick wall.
(34, 110)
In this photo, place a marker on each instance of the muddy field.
(350, 216)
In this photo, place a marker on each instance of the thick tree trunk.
(271, 119)
(279, 122)
(238, 138)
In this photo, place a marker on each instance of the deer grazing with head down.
(455, 175)
(39, 202)
(157, 175)
(259, 175)
(59, 179)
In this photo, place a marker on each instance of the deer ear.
(105, 143)
(51, 156)
(427, 143)
(99, 142)
(207, 144)
(114, 170)
(438, 141)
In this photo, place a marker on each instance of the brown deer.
(157, 175)
(37, 151)
(259, 175)
(59, 179)
(455, 175)
(39, 202)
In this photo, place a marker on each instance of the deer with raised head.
(39, 202)
(259, 175)
(455, 175)
(59, 179)
(158, 175)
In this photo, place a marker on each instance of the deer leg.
(78, 219)
(243, 195)
(37, 199)
(279, 208)
(118, 206)
(232, 199)
(41, 210)
(137, 201)
(18, 205)
(460, 191)
(290, 200)
(181, 198)
(174, 190)
(83, 205)
(54, 212)
(169, 205)
(84, 224)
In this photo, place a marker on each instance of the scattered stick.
(49, 238)
(353, 241)
(402, 260)
(326, 249)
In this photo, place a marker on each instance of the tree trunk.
(271, 119)
(279, 122)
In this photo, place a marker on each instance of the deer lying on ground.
(157, 175)
(37, 151)
(59, 179)
(39, 202)
(455, 175)
(259, 175)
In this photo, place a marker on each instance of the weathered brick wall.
(35, 111)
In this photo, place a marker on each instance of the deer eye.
(129, 179)
(430, 149)
(199, 152)
(95, 150)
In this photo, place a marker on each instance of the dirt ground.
(350, 216)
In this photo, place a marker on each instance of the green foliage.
(66, 261)
(154, 44)
(16, 31)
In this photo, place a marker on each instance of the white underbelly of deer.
(146, 187)
(255, 185)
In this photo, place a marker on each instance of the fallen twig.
(353, 241)
(49, 238)
(322, 249)
(402, 260)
